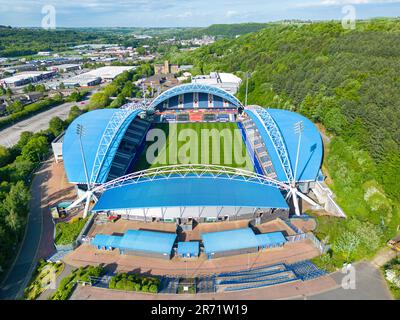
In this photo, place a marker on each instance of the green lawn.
(196, 143)
(67, 232)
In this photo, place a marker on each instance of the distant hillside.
(231, 30)
(27, 41)
(346, 80)
(215, 30)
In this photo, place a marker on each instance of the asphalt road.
(369, 285)
(10, 136)
(20, 272)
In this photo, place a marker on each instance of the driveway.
(20, 273)
(369, 285)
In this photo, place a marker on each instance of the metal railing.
(276, 137)
(191, 170)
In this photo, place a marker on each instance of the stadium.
(212, 160)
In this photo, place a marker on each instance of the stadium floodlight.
(248, 75)
(298, 129)
(143, 93)
(80, 131)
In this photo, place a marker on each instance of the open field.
(195, 143)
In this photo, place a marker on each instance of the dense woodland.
(24, 42)
(16, 42)
(348, 81)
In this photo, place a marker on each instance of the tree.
(41, 88)
(141, 51)
(4, 156)
(35, 149)
(99, 100)
(75, 96)
(74, 113)
(346, 244)
(16, 202)
(118, 102)
(335, 121)
(56, 126)
(111, 90)
(16, 106)
(14, 222)
(20, 169)
(127, 90)
(29, 88)
(24, 137)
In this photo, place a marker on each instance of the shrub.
(29, 110)
(134, 282)
(130, 286)
(111, 284)
(120, 285)
(153, 288)
(145, 288)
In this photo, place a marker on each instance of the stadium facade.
(285, 148)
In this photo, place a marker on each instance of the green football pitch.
(194, 143)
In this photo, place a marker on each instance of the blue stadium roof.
(186, 192)
(148, 241)
(105, 240)
(192, 248)
(95, 123)
(195, 87)
(270, 239)
(311, 151)
(229, 240)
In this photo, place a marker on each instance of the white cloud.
(321, 3)
(185, 14)
(231, 13)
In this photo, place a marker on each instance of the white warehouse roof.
(226, 81)
(108, 72)
(25, 75)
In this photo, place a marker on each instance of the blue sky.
(183, 13)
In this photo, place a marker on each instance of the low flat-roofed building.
(24, 78)
(108, 73)
(186, 67)
(82, 80)
(65, 67)
(138, 242)
(226, 81)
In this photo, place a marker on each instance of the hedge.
(67, 285)
(123, 281)
(28, 111)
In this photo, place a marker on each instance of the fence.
(326, 196)
(65, 247)
(85, 229)
(323, 248)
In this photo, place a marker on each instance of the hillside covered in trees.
(17, 42)
(348, 81)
